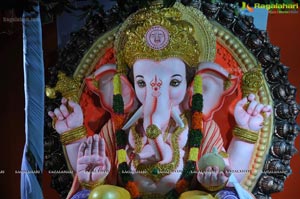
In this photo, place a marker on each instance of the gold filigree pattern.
(152, 131)
(184, 24)
(157, 171)
(252, 82)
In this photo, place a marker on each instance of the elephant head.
(162, 89)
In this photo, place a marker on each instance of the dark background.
(283, 31)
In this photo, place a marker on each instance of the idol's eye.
(175, 82)
(141, 83)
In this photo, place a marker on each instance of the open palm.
(92, 163)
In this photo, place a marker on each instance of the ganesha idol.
(161, 140)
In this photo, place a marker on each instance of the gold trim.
(91, 185)
(236, 48)
(94, 54)
(73, 135)
(224, 154)
(215, 188)
(245, 135)
(68, 160)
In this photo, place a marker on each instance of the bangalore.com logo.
(281, 8)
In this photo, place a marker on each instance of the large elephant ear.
(101, 83)
(217, 84)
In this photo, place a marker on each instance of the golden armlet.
(91, 185)
(73, 135)
(214, 188)
(245, 135)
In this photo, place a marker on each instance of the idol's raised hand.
(92, 164)
(250, 114)
(67, 117)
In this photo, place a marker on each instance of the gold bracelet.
(73, 135)
(245, 134)
(223, 154)
(215, 188)
(91, 185)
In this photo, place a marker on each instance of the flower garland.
(122, 139)
(194, 141)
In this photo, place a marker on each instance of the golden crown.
(158, 33)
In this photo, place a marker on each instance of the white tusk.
(175, 115)
(133, 118)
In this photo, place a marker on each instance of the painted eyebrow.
(176, 75)
(139, 76)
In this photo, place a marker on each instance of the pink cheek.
(141, 94)
(177, 95)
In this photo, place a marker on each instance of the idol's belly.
(159, 181)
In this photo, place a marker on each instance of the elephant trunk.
(157, 111)
(157, 114)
